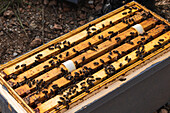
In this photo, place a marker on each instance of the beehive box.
(58, 74)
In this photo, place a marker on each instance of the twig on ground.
(17, 14)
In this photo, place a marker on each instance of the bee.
(67, 53)
(73, 44)
(126, 7)
(67, 106)
(126, 58)
(57, 46)
(95, 46)
(17, 85)
(131, 43)
(129, 19)
(64, 41)
(99, 37)
(102, 37)
(111, 22)
(85, 67)
(139, 42)
(141, 57)
(132, 33)
(51, 91)
(123, 20)
(87, 89)
(98, 78)
(134, 7)
(129, 59)
(93, 49)
(57, 108)
(102, 61)
(126, 21)
(93, 29)
(159, 44)
(82, 83)
(83, 59)
(130, 11)
(61, 103)
(124, 13)
(62, 70)
(62, 98)
(40, 81)
(76, 62)
(80, 71)
(151, 37)
(17, 67)
(90, 25)
(143, 38)
(46, 66)
(25, 78)
(74, 90)
(109, 57)
(91, 80)
(161, 40)
(110, 32)
(23, 65)
(89, 43)
(88, 32)
(69, 77)
(115, 51)
(40, 55)
(29, 84)
(96, 63)
(51, 48)
(103, 25)
(117, 39)
(54, 57)
(51, 61)
(132, 19)
(123, 52)
(33, 82)
(122, 79)
(109, 38)
(65, 46)
(156, 46)
(74, 50)
(68, 43)
(120, 65)
(76, 74)
(55, 86)
(60, 55)
(110, 53)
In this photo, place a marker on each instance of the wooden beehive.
(41, 82)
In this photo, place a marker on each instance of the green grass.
(14, 4)
(4, 4)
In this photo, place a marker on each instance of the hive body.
(60, 73)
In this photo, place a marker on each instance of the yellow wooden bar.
(33, 72)
(50, 104)
(75, 38)
(102, 48)
(63, 81)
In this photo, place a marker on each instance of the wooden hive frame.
(92, 56)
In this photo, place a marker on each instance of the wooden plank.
(90, 54)
(33, 72)
(75, 38)
(155, 32)
(50, 104)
